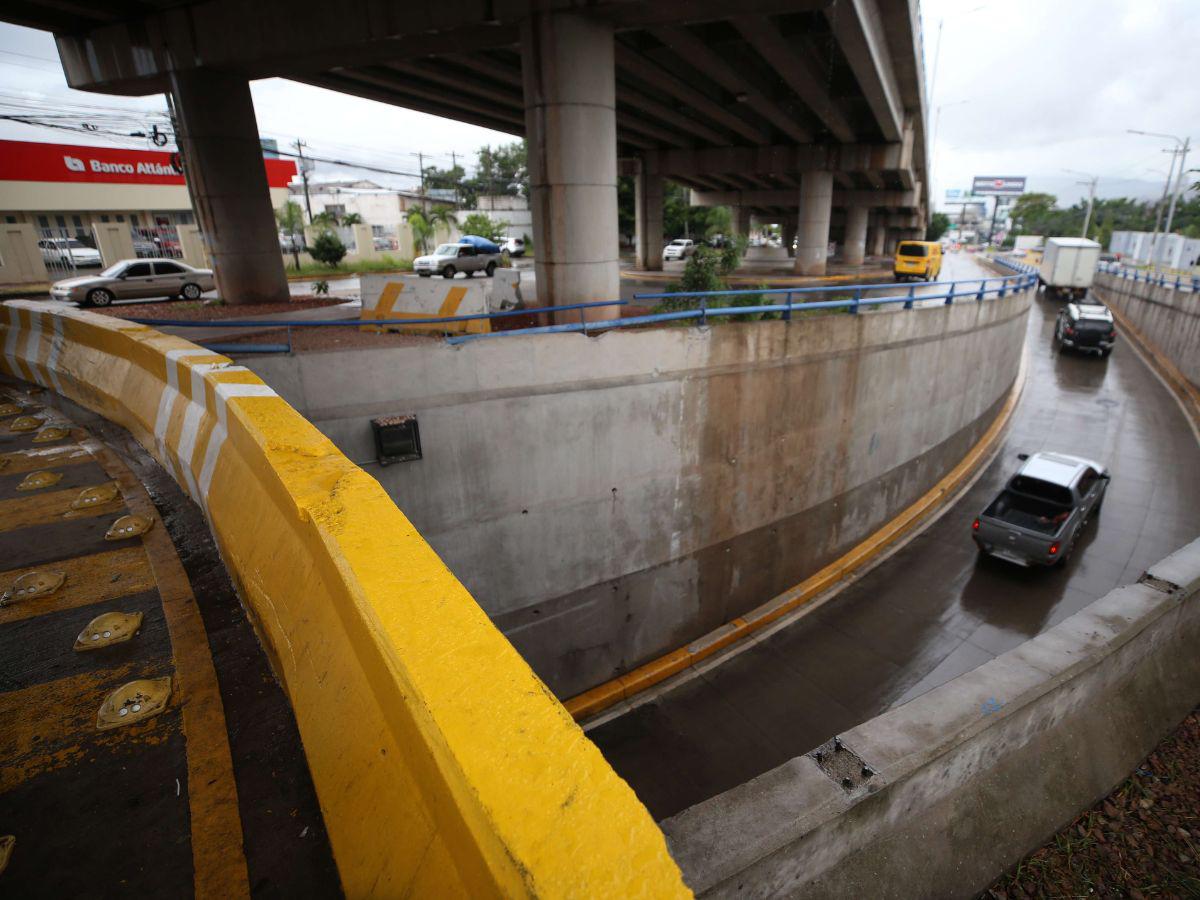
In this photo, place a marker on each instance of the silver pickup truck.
(450, 259)
(1037, 518)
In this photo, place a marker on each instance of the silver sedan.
(132, 279)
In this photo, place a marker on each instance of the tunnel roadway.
(933, 610)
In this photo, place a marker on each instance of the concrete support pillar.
(788, 233)
(223, 160)
(742, 221)
(816, 209)
(571, 127)
(648, 214)
(893, 238)
(854, 246)
(878, 239)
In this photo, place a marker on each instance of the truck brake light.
(1054, 549)
(975, 525)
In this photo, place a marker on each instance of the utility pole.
(1180, 149)
(453, 166)
(304, 177)
(421, 169)
(1092, 181)
(1183, 152)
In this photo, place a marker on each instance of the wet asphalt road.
(933, 610)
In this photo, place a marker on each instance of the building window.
(78, 221)
(43, 222)
(104, 218)
(62, 222)
(120, 218)
(134, 219)
(11, 220)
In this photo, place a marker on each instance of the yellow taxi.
(918, 259)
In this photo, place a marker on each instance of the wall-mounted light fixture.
(397, 438)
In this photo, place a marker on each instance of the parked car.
(1038, 516)
(917, 259)
(680, 248)
(68, 251)
(135, 279)
(1086, 326)
(514, 246)
(450, 259)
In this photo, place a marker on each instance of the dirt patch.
(324, 338)
(202, 311)
(1141, 841)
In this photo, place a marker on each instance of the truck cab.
(917, 259)
(1037, 518)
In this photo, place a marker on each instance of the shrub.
(328, 249)
(731, 254)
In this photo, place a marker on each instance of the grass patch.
(385, 263)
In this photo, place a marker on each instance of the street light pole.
(1092, 181)
(1180, 147)
(1183, 152)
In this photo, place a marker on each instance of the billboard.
(998, 186)
(33, 161)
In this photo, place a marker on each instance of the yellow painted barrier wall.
(444, 767)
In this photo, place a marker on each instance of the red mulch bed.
(1141, 841)
(201, 311)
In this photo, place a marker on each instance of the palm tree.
(325, 219)
(352, 219)
(441, 216)
(421, 229)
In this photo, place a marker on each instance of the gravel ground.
(1141, 841)
(202, 311)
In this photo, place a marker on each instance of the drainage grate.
(843, 765)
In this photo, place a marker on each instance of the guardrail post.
(703, 312)
(787, 315)
(950, 294)
(856, 300)
(982, 290)
(1177, 278)
(289, 339)
(912, 292)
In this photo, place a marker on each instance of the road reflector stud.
(134, 702)
(26, 423)
(35, 481)
(108, 629)
(7, 842)
(95, 496)
(51, 433)
(33, 585)
(127, 527)
(9, 409)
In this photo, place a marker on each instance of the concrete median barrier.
(935, 798)
(443, 765)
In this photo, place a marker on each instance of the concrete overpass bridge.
(791, 110)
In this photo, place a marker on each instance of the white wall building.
(1173, 251)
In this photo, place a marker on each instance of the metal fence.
(66, 251)
(156, 242)
(860, 298)
(1156, 279)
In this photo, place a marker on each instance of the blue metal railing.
(859, 295)
(1156, 279)
(978, 290)
(1016, 265)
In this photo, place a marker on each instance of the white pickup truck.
(450, 259)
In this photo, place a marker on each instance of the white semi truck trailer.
(1068, 266)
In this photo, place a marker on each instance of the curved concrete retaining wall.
(609, 499)
(443, 766)
(1167, 318)
(970, 776)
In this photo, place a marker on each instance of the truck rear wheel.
(448, 272)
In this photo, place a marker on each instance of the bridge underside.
(763, 107)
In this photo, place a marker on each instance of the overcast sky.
(1026, 87)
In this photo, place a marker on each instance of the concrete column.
(742, 221)
(893, 238)
(854, 247)
(223, 160)
(878, 237)
(788, 232)
(571, 127)
(648, 215)
(816, 208)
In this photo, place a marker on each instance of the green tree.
(939, 224)
(484, 225)
(328, 248)
(290, 218)
(420, 227)
(352, 219)
(502, 170)
(325, 219)
(452, 179)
